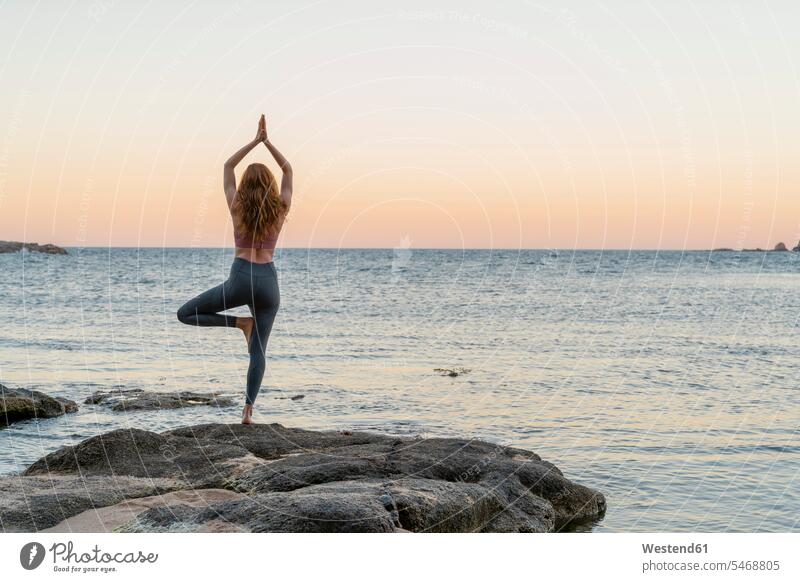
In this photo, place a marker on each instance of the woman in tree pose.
(258, 208)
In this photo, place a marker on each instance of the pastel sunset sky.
(664, 125)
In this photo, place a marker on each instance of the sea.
(668, 380)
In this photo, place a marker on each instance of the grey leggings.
(251, 284)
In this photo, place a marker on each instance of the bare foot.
(246, 325)
(247, 414)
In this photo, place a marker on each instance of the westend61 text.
(670, 549)
(65, 553)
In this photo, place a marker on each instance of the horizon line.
(629, 249)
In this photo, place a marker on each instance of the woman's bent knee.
(184, 314)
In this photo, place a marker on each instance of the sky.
(619, 125)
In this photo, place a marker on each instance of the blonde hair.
(258, 208)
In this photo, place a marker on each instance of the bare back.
(255, 255)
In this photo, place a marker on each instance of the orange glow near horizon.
(634, 127)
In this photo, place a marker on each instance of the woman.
(258, 208)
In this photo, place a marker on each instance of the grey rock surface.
(109, 518)
(22, 404)
(32, 504)
(196, 463)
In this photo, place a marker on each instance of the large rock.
(8, 246)
(36, 503)
(21, 404)
(292, 480)
(273, 441)
(337, 507)
(780, 247)
(112, 517)
(140, 453)
(369, 505)
(121, 400)
(513, 478)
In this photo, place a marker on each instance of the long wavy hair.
(258, 209)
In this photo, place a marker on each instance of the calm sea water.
(667, 380)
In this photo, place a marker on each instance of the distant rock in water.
(780, 247)
(452, 372)
(281, 479)
(22, 404)
(8, 246)
(121, 400)
(295, 397)
(796, 249)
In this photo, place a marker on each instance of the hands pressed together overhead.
(261, 137)
(261, 134)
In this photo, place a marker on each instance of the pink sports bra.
(246, 242)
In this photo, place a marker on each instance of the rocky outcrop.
(22, 404)
(780, 247)
(281, 479)
(8, 246)
(132, 399)
(112, 517)
(36, 503)
(190, 461)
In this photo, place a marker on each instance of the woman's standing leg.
(264, 307)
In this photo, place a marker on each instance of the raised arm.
(286, 168)
(228, 177)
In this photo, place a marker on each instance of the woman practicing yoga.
(258, 208)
